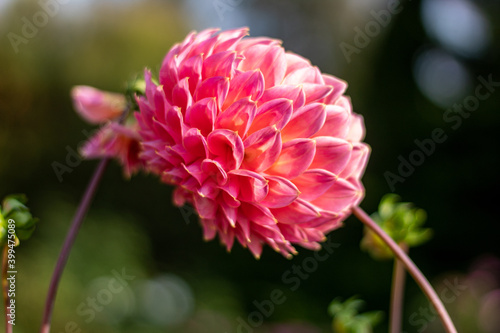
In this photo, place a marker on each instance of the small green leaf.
(14, 208)
(347, 319)
(401, 221)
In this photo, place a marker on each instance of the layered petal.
(296, 156)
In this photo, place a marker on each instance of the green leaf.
(347, 319)
(401, 221)
(13, 207)
(14, 202)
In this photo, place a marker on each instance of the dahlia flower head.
(113, 140)
(264, 146)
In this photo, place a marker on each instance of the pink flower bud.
(96, 106)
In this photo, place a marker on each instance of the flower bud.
(97, 106)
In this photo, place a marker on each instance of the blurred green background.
(404, 74)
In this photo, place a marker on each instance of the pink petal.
(249, 42)
(252, 186)
(209, 229)
(209, 189)
(332, 154)
(170, 155)
(202, 115)
(305, 122)
(315, 92)
(262, 149)
(304, 75)
(150, 86)
(177, 175)
(181, 96)
(238, 117)
(295, 61)
(246, 84)
(257, 214)
(169, 75)
(339, 87)
(267, 232)
(356, 129)
(293, 232)
(96, 106)
(336, 123)
(180, 196)
(227, 238)
(269, 59)
(191, 69)
(220, 64)
(196, 173)
(295, 158)
(255, 246)
(357, 162)
(231, 213)
(291, 92)
(205, 207)
(313, 183)
(299, 211)
(215, 170)
(195, 145)
(326, 217)
(203, 45)
(163, 132)
(228, 148)
(229, 39)
(275, 112)
(243, 229)
(230, 199)
(160, 104)
(282, 192)
(340, 196)
(175, 122)
(217, 87)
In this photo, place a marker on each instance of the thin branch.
(68, 243)
(411, 268)
(397, 293)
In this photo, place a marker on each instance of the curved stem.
(68, 243)
(5, 289)
(411, 268)
(397, 293)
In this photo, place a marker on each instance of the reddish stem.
(397, 292)
(411, 268)
(68, 243)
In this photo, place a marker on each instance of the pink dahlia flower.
(259, 141)
(112, 140)
(116, 141)
(96, 106)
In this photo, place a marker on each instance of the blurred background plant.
(347, 319)
(401, 221)
(13, 207)
(403, 81)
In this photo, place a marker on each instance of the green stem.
(410, 267)
(397, 293)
